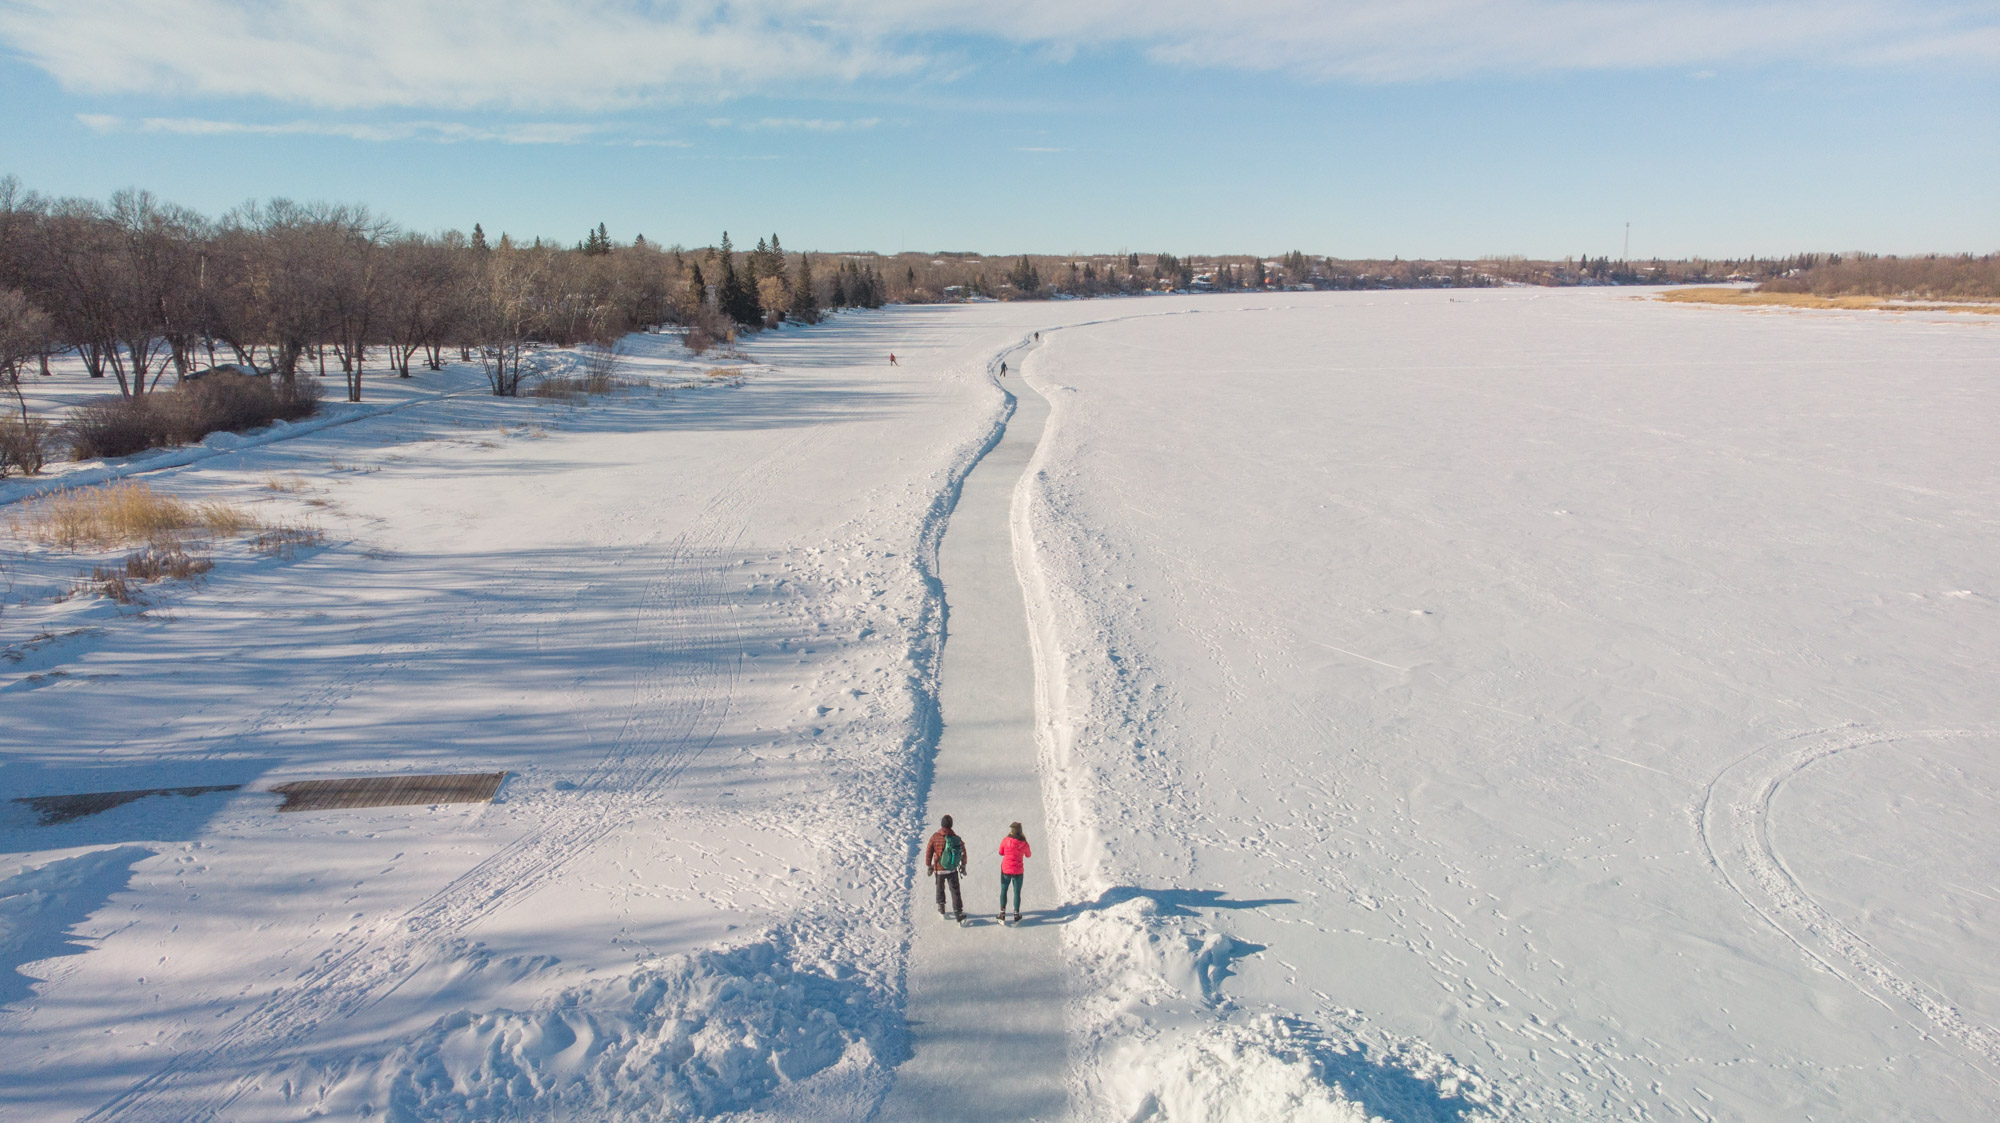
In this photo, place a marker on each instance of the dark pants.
(1013, 879)
(957, 905)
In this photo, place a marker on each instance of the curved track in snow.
(1736, 829)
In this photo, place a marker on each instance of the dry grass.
(162, 562)
(286, 539)
(1745, 297)
(165, 562)
(107, 583)
(121, 513)
(287, 485)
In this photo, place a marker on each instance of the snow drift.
(688, 1036)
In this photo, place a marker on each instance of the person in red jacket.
(944, 860)
(1013, 849)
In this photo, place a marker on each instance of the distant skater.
(944, 860)
(1013, 849)
(892, 359)
(1003, 370)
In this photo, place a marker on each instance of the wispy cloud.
(595, 55)
(443, 132)
(808, 124)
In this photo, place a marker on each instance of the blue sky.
(1452, 128)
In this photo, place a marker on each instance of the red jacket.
(1012, 850)
(935, 850)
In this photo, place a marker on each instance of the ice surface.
(1520, 706)
(1588, 690)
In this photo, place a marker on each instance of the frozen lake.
(1507, 704)
(1605, 687)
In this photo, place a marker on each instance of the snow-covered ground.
(1510, 704)
(1558, 705)
(697, 625)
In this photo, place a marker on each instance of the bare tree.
(24, 337)
(510, 314)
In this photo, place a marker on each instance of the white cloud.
(808, 124)
(435, 131)
(610, 54)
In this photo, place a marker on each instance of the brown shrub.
(185, 414)
(109, 427)
(24, 444)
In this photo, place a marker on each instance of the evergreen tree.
(805, 303)
(478, 238)
(1024, 277)
(838, 297)
(697, 287)
(737, 298)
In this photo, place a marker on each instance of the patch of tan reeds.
(1745, 297)
(121, 513)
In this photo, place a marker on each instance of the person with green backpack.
(944, 860)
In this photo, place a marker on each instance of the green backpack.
(953, 855)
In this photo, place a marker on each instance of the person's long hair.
(1014, 831)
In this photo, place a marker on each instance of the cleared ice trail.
(985, 1001)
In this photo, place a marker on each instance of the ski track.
(1735, 817)
(658, 739)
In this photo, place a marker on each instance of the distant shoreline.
(1742, 297)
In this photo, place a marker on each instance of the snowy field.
(1580, 699)
(1518, 705)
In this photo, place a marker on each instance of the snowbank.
(684, 1037)
(1162, 1041)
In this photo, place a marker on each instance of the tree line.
(146, 292)
(1929, 277)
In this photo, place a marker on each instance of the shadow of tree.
(39, 906)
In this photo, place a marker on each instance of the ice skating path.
(985, 1001)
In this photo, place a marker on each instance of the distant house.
(243, 369)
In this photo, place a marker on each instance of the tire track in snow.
(677, 712)
(1735, 819)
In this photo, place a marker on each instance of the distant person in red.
(944, 860)
(1013, 849)
(892, 359)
